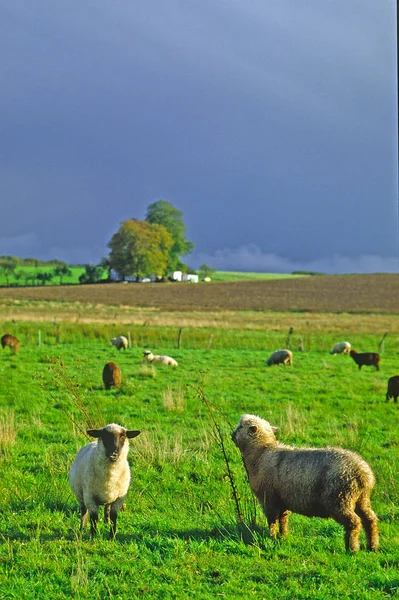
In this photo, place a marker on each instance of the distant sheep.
(100, 475)
(341, 348)
(120, 342)
(112, 376)
(366, 358)
(280, 357)
(157, 358)
(393, 388)
(11, 341)
(315, 482)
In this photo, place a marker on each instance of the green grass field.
(27, 272)
(241, 276)
(27, 276)
(179, 537)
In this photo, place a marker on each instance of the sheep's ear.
(132, 433)
(274, 429)
(253, 429)
(94, 432)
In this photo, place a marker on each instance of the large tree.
(164, 213)
(140, 248)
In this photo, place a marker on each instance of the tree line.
(140, 248)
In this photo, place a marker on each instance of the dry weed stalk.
(8, 434)
(173, 400)
(68, 384)
(212, 409)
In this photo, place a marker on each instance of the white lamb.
(120, 342)
(100, 475)
(157, 358)
(341, 348)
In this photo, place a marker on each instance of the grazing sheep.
(100, 475)
(156, 358)
(280, 357)
(393, 388)
(120, 342)
(112, 376)
(11, 341)
(366, 358)
(315, 482)
(341, 348)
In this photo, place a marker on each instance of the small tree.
(106, 265)
(92, 274)
(140, 249)
(62, 270)
(18, 275)
(8, 267)
(29, 277)
(206, 270)
(44, 277)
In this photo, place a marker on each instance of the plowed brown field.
(333, 294)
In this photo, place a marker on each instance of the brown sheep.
(315, 482)
(393, 388)
(366, 358)
(112, 376)
(11, 341)
(280, 357)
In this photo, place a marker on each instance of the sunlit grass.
(179, 537)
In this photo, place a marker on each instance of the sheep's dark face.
(113, 444)
(113, 440)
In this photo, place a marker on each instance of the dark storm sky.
(271, 124)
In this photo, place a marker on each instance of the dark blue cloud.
(271, 124)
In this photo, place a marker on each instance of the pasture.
(179, 536)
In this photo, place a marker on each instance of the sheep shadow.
(239, 533)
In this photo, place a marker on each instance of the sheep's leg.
(272, 512)
(107, 509)
(83, 516)
(283, 523)
(113, 515)
(352, 525)
(369, 522)
(93, 522)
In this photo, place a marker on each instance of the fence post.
(381, 344)
(179, 338)
(210, 341)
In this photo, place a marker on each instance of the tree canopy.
(164, 213)
(140, 249)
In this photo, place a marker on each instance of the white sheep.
(100, 475)
(315, 482)
(280, 357)
(341, 348)
(120, 342)
(157, 358)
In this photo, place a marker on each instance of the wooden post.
(40, 337)
(381, 344)
(287, 342)
(130, 339)
(210, 342)
(179, 337)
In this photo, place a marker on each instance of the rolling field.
(179, 536)
(335, 293)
